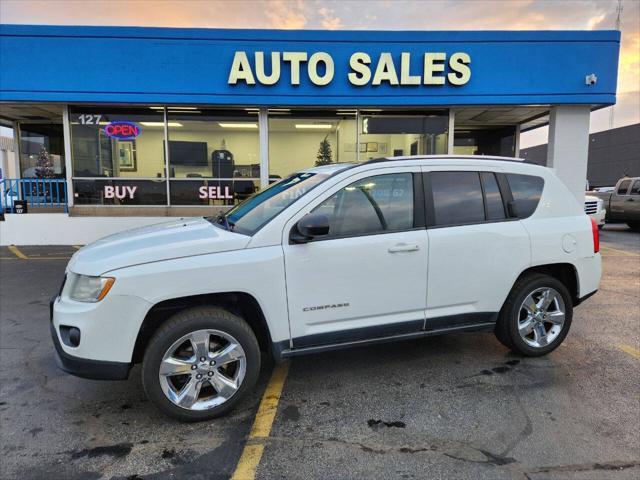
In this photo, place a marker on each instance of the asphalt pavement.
(452, 407)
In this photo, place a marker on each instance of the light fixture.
(238, 125)
(314, 126)
(174, 108)
(160, 124)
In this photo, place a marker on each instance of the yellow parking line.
(630, 350)
(16, 251)
(623, 252)
(249, 461)
(35, 258)
(253, 450)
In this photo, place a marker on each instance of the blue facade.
(191, 66)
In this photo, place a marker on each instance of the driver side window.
(371, 205)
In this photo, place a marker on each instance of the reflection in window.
(214, 155)
(372, 205)
(399, 133)
(256, 211)
(495, 207)
(526, 191)
(41, 150)
(300, 139)
(117, 142)
(457, 198)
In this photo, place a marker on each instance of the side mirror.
(310, 226)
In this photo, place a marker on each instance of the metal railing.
(36, 192)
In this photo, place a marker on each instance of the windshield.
(248, 216)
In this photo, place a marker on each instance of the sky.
(369, 15)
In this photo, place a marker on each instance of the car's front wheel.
(200, 364)
(536, 316)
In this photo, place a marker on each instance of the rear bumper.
(82, 367)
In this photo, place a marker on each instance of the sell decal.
(122, 130)
(214, 193)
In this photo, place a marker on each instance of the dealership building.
(117, 127)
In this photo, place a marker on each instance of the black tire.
(635, 226)
(506, 329)
(181, 324)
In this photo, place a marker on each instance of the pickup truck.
(623, 204)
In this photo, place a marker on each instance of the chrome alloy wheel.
(202, 369)
(541, 318)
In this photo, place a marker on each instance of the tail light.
(596, 236)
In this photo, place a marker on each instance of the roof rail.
(444, 156)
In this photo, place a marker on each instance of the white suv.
(331, 257)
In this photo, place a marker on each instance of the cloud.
(329, 20)
(284, 14)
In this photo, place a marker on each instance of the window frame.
(503, 186)
(628, 189)
(418, 208)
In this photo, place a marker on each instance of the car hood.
(162, 241)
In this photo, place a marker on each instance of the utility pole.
(612, 110)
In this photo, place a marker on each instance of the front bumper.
(108, 332)
(82, 367)
(599, 216)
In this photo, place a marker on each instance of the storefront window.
(214, 155)
(300, 139)
(41, 150)
(126, 144)
(398, 133)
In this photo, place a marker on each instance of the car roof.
(440, 160)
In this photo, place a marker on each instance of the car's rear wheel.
(200, 364)
(536, 316)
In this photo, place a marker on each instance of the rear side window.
(457, 198)
(635, 190)
(526, 191)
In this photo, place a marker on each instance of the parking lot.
(458, 406)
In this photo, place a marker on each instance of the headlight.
(90, 289)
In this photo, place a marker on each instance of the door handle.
(404, 247)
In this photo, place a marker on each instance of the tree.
(325, 155)
(44, 166)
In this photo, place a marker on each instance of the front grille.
(590, 207)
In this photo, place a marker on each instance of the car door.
(632, 204)
(475, 251)
(618, 203)
(366, 278)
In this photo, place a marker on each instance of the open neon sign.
(122, 130)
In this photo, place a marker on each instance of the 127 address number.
(87, 119)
